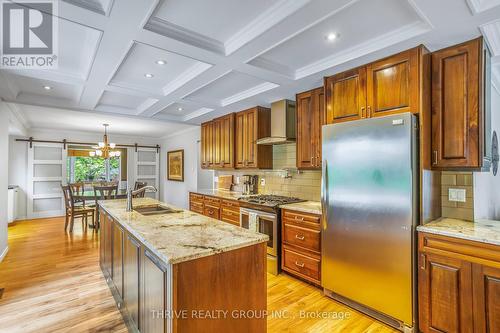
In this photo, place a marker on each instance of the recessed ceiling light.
(331, 36)
(161, 62)
(179, 109)
(148, 75)
(47, 87)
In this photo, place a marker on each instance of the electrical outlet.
(456, 195)
(216, 179)
(461, 195)
(263, 182)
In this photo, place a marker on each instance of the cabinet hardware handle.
(435, 157)
(299, 218)
(299, 237)
(423, 261)
(299, 265)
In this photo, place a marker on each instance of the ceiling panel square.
(140, 70)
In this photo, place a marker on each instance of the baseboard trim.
(4, 253)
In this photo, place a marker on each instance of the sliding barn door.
(46, 173)
(147, 169)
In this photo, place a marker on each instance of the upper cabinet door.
(240, 141)
(206, 144)
(223, 129)
(346, 96)
(456, 105)
(251, 139)
(310, 118)
(393, 84)
(319, 121)
(305, 115)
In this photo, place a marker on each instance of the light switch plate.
(216, 179)
(237, 179)
(263, 182)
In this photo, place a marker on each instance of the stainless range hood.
(282, 123)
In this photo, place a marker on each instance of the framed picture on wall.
(175, 165)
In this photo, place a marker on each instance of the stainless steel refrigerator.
(369, 201)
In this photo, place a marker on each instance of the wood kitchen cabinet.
(389, 86)
(207, 144)
(301, 245)
(251, 125)
(310, 118)
(459, 285)
(107, 229)
(458, 105)
(117, 258)
(222, 209)
(346, 96)
(223, 142)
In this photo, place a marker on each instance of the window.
(90, 169)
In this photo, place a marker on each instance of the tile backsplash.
(453, 209)
(304, 184)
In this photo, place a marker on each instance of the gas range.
(269, 200)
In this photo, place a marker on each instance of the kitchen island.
(172, 270)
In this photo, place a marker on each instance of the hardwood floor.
(53, 283)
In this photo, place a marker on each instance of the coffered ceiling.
(190, 60)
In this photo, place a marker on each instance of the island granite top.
(182, 236)
(484, 231)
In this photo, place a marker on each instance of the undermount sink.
(155, 210)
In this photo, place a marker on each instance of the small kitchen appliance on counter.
(250, 184)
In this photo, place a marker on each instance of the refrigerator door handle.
(324, 194)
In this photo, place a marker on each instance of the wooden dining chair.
(103, 193)
(73, 210)
(139, 185)
(77, 189)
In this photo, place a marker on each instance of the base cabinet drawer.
(302, 237)
(230, 216)
(304, 266)
(196, 207)
(212, 212)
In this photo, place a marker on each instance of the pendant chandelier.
(105, 148)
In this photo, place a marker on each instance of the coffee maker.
(250, 184)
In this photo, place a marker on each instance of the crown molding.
(171, 30)
(248, 93)
(185, 77)
(491, 32)
(478, 6)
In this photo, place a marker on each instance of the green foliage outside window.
(94, 168)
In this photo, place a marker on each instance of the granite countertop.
(313, 207)
(485, 231)
(232, 195)
(182, 236)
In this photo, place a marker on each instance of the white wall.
(4, 174)
(487, 186)
(177, 193)
(18, 156)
